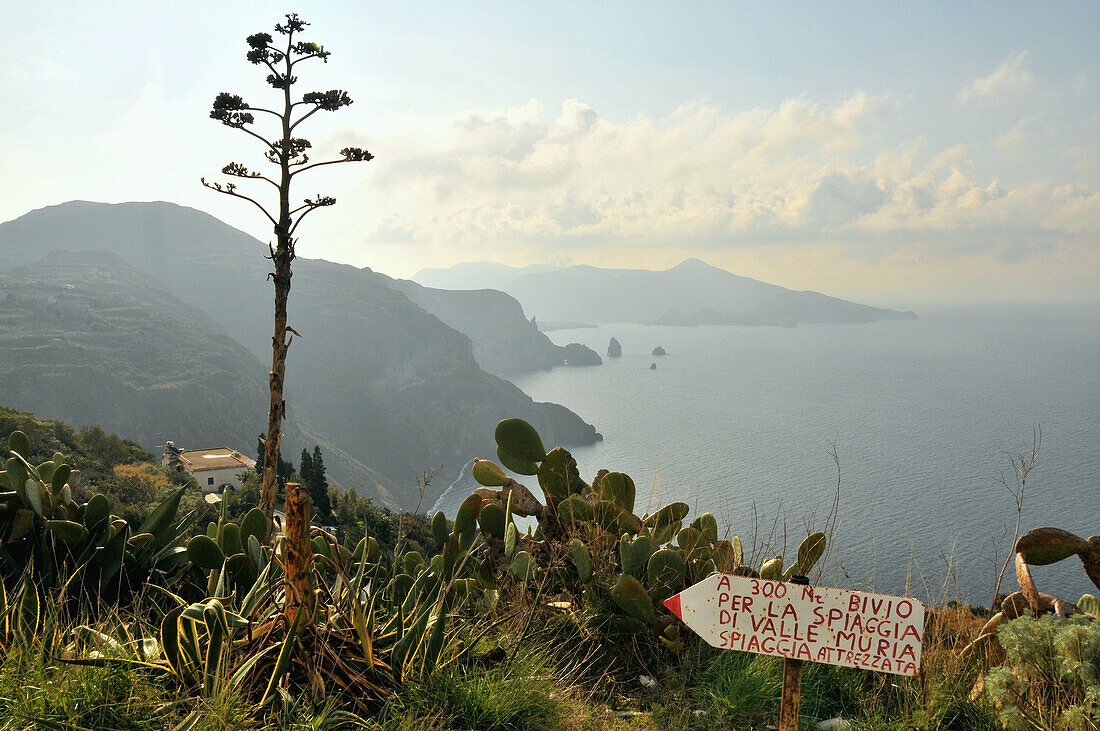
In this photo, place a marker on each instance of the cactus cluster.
(1039, 547)
(44, 528)
(233, 553)
(592, 532)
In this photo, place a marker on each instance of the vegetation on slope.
(469, 638)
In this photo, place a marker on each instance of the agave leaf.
(216, 635)
(437, 636)
(241, 672)
(170, 639)
(5, 623)
(283, 661)
(361, 631)
(28, 614)
(405, 648)
(160, 521)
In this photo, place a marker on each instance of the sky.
(894, 153)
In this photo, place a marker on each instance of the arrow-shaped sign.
(813, 623)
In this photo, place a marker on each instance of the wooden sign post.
(792, 682)
(801, 623)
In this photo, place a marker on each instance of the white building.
(213, 469)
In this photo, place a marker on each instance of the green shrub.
(1050, 676)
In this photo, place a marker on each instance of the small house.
(215, 470)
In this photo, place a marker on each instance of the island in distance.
(690, 293)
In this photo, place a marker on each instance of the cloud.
(701, 178)
(1013, 141)
(1011, 78)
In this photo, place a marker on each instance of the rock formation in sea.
(581, 355)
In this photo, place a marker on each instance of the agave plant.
(317, 617)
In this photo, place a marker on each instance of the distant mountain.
(477, 275)
(691, 293)
(373, 375)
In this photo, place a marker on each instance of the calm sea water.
(924, 416)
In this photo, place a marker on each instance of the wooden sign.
(811, 623)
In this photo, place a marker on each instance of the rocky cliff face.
(505, 342)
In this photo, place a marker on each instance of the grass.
(722, 689)
(544, 686)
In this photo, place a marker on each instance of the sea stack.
(614, 350)
(652, 366)
(659, 351)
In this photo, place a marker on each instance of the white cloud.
(700, 178)
(1011, 78)
(1014, 139)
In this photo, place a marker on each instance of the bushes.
(1050, 676)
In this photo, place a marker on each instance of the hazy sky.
(895, 153)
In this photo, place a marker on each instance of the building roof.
(219, 458)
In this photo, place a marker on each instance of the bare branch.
(350, 154)
(312, 205)
(305, 116)
(238, 170)
(230, 189)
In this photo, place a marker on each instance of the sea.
(899, 438)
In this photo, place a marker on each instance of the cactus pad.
(629, 595)
(492, 520)
(583, 561)
(772, 569)
(619, 489)
(708, 526)
(634, 554)
(489, 474)
(518, 439)
(558, 476)
(665, 573)
(1043, 546)
(467, 513)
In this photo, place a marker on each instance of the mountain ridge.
(699, 292)
(374, 374)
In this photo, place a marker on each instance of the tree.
(289, 154)
(305, 466)
(317, 484)
(284, 471)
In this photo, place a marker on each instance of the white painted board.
(814, 623)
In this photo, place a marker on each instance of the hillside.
(373, 375)
(91, 340)
(690, 293)
(505, 342)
